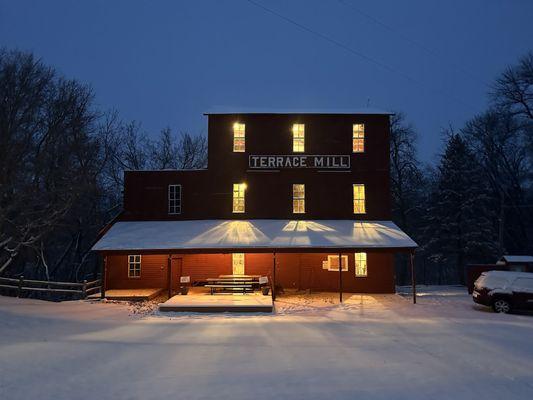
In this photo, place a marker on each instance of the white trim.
(134, 263)
(177, 207)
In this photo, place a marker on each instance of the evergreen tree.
(461, 217)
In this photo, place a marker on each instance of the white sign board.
(299, 161)
(263, 280)
(185, 279)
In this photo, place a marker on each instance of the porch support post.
(169, 275)
(274, 277)
(340, 277)
(413, 276)
(103, 273)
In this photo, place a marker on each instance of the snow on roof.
(253, 234)
(244, 110)
(517, 259)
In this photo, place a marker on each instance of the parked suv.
(504, 291)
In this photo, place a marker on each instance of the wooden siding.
(294, 271)
(207, 194)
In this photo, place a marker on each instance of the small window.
(360, 265)
(523, 285)
(237, 262)
(134, 266)
(298, 199)
(333, 263)
(298, 138)
(359, 199)
(174, 199)
(239, 138)
(239, 190)
(358, 138)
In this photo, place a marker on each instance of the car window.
(492, 282)
(523, 285)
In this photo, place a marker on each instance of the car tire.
(501, 306)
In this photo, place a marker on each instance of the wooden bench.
(229, 287)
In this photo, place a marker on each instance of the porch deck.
(132, 294)
(199, 300)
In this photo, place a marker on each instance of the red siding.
(293, 271)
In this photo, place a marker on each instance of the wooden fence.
(83, 289)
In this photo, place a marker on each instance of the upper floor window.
(239, 138)
(238, 197)
(298, 198)
(358, 138)
(134, 266)
(298, 138)
(359, 198)
(360, 264)
(174, 199)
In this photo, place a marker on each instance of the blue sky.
(166, 62)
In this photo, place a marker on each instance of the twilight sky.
(166, 62)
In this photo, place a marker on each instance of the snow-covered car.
(504, 291)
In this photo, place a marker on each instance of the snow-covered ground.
(371, 347)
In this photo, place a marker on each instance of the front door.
(237, 262)
(175, 273)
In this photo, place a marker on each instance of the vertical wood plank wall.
(295, 271)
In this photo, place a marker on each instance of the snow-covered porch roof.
(254, 235)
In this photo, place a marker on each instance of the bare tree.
(50, 159)
(513, 90)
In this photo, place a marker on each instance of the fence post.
(84, 289)
(21, 282)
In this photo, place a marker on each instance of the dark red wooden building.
(283, 195)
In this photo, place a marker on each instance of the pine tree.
(461, 222)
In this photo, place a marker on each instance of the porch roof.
(249, 235)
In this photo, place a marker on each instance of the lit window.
(238, 197)
(174, 199)
(298, 199)
(333, 263)
(237, 262)
(298, 138)
(358, 138)
(360, 264)
(239, 139)
(359, 199)
(134, 266)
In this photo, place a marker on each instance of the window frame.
(239, 137)
(359, 200)
(298, 199)
(358, 136)
(236, 200)
(358, 258)
(298, 138)
(177, 207)
(137, 266)
(345, 266)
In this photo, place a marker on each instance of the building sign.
(299, 161)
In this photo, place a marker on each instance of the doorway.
(237, 262)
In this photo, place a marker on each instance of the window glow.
(238, 197)
(359, 199)
(298, 199)
(239, 139)
(237, 262)
(333, 263)
(358, 138)
(298, 138)
(174, 199)
(360, 264)
(134, 266)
